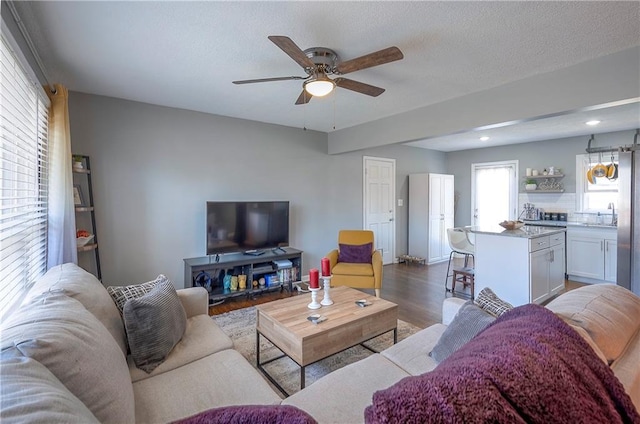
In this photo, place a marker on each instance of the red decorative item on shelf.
(326, 267)
(313, 278)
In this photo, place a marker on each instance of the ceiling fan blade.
(303, 98)
(251, 81)
(290, 48)
(360, 87)
(390, 54)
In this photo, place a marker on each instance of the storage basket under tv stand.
(253, 267)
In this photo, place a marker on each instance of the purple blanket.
(527, 366)
(251, 414)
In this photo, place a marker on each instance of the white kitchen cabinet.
(611, 259)
(520, 266)
(592, 254)
(546, 267)
(430, 214)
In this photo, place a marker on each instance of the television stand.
(254, 252)
(264, 266)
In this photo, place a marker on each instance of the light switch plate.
(400, 202)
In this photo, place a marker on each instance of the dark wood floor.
(418, 290)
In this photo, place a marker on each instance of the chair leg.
(377, 292)
(466, 260)
(446, 278)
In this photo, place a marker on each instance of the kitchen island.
(521, 266)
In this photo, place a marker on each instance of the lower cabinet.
(520, 268)
(592, 254)
(547, 269)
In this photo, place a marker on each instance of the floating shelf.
(543, 177)
(544, 191)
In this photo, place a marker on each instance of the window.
(23, 177)
(596, 197)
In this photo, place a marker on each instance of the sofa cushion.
(610, 314)
(342, 395)
(29, 392)
(62, 335)
(155, 323)
(490, 302)
(77, 283)
(248, 414)
(468, 322)
(202, 337)
(356, 254)
(627, 369)
(343, 268)
(412, 353)
(120, 294)
(221, 379)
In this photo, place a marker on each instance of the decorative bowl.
(511, 225)
(82, 241)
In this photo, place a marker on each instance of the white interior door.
(379, 182)
(494, 188)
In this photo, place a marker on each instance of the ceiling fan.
(319, 62)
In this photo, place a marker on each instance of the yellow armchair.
(357, 275)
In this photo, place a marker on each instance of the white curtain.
(61, 214)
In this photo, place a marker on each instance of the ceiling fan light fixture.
(319, 86)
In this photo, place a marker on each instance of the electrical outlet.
(400, 202)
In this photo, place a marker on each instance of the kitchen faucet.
(612, 206)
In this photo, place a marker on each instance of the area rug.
(240, 326)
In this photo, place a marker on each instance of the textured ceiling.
(185, 54)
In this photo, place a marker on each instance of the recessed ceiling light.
(485, 138)
(592, 123)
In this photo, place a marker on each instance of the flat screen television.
(246, 226)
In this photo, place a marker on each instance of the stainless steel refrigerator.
(629, 218)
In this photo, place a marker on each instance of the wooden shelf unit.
(85, 213)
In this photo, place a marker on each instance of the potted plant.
(530, 185)
(77, 162)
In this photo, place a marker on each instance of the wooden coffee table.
(284, 323)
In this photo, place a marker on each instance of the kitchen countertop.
(528, 231)
(548, 223)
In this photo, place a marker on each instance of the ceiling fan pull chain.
(304, 112)
(334, 110)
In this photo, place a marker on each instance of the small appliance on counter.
(530, 212)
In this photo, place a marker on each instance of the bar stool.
(466, 276)
(459, 243)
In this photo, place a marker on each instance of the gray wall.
(560, 153)
(155, 167)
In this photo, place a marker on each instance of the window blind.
(23, 179)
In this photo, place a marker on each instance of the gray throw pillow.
(468, 322)
(155, 323)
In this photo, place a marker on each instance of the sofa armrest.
(376, 263)
(195, 301)
(450, 308)
(333, 258)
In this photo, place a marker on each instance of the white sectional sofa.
(64, 358)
